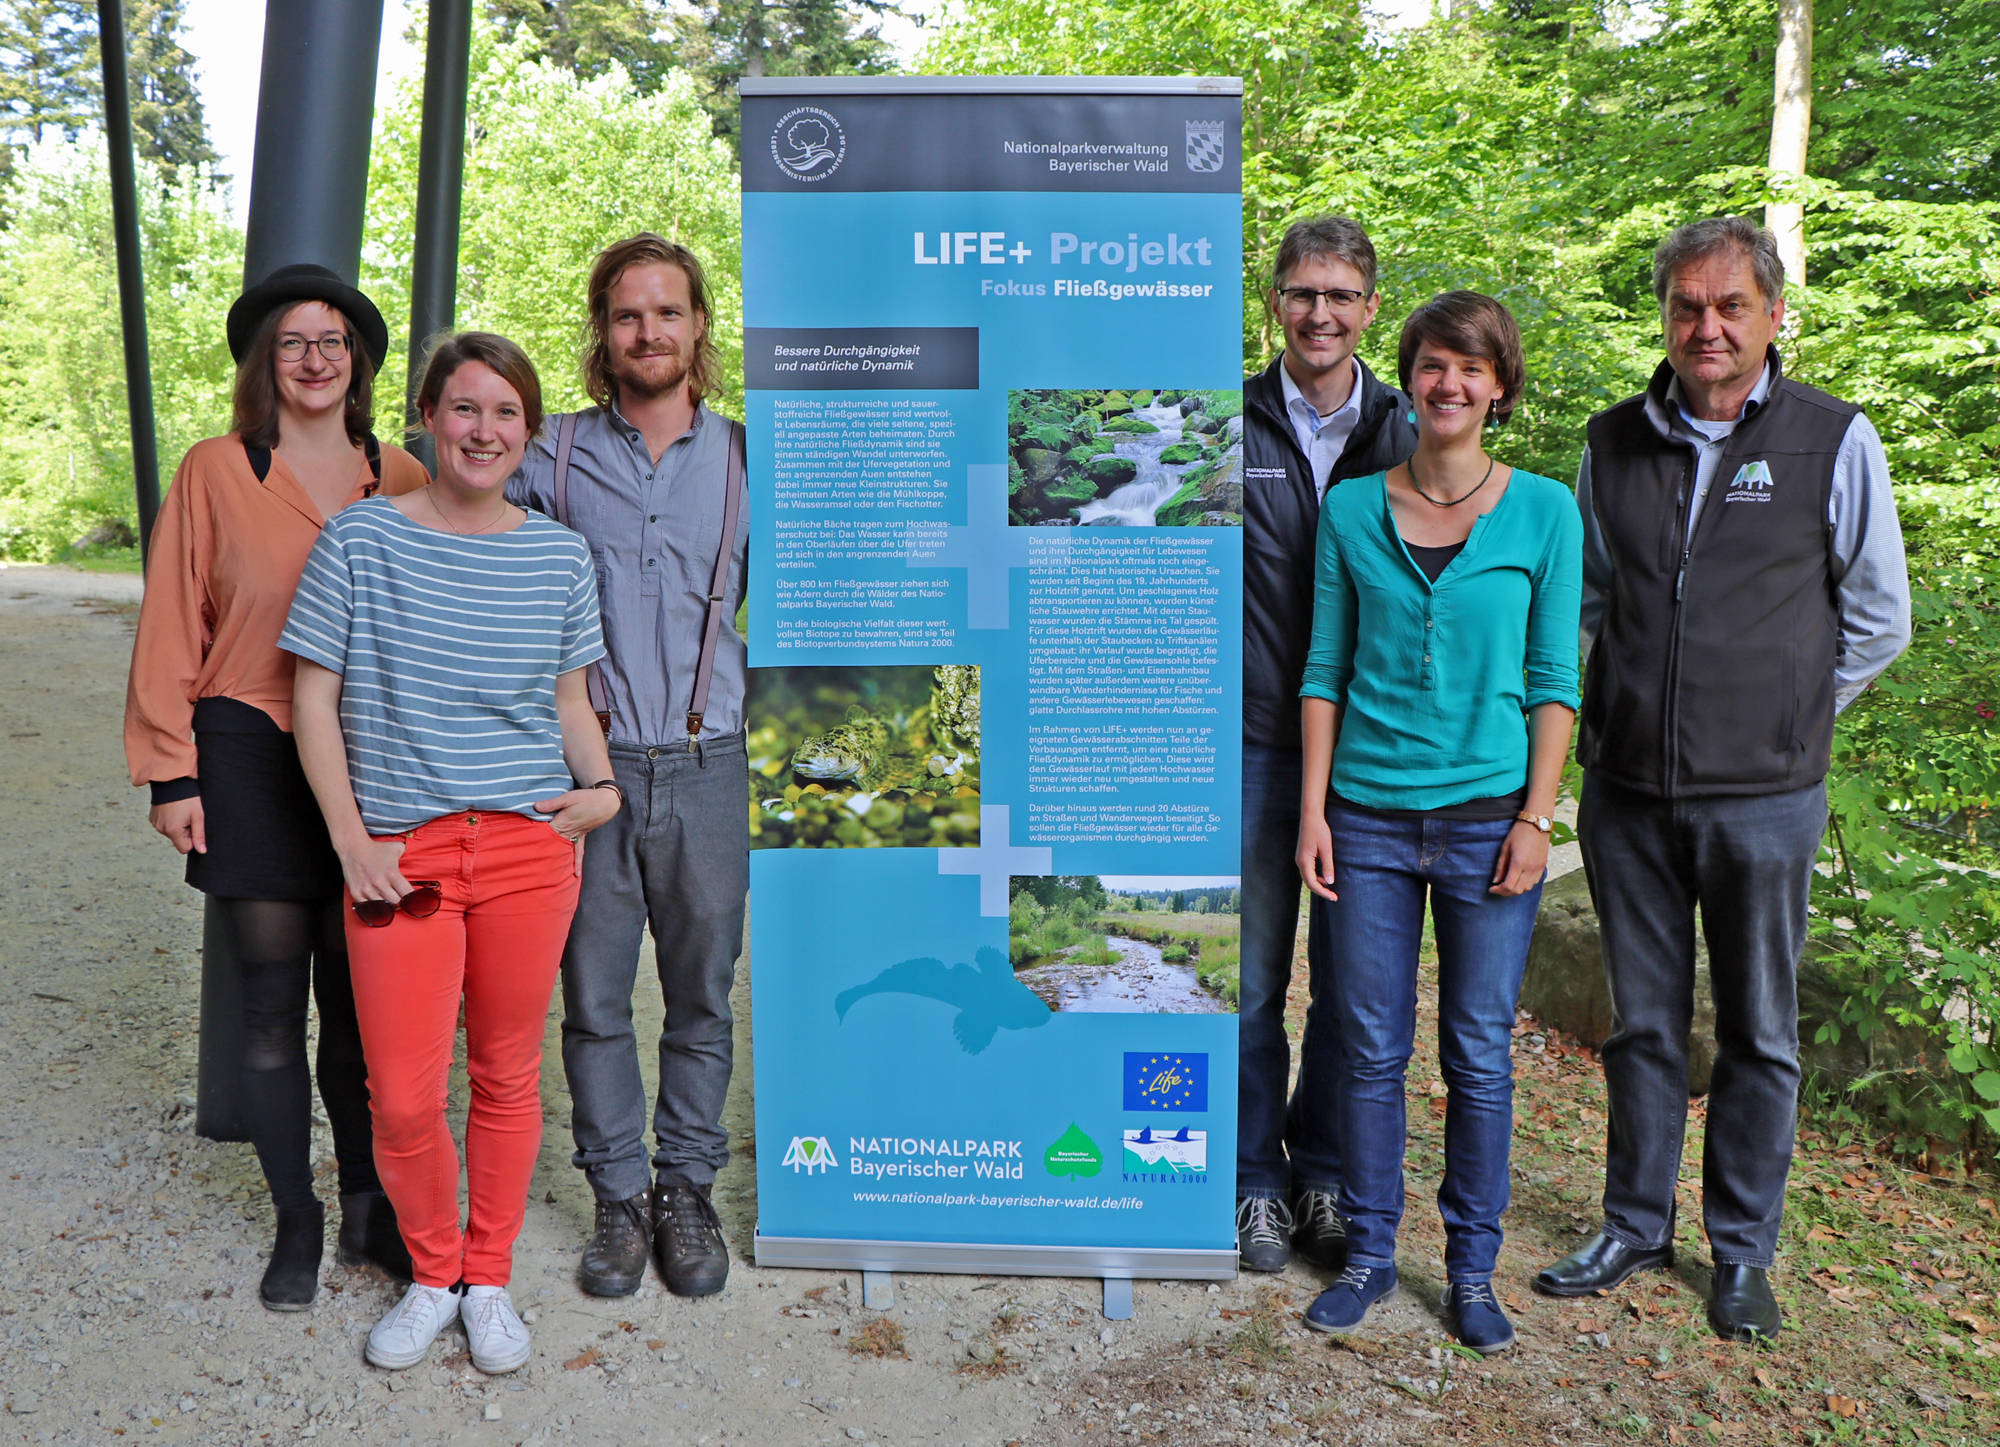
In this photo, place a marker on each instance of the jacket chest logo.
(1752, 483)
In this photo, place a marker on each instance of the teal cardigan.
(1435, 680)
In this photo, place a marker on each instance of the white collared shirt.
(1322, 439)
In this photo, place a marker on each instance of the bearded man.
(645, 476)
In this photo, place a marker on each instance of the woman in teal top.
(1437, 708)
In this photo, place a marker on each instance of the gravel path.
(132, 1249)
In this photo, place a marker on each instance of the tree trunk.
(753, 39)
(1791, 121)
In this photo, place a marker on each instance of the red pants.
(509, 885)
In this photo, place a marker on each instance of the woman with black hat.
(208, 717)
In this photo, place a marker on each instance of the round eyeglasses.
(332, 346)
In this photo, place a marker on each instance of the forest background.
(1533, 149)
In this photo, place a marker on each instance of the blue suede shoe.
(1475, 1316)
(1342, 1305)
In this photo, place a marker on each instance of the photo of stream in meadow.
(1126, 944)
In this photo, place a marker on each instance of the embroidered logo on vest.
(1752, 483)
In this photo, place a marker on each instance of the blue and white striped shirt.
(448, 649)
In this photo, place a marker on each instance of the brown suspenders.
(711, 630)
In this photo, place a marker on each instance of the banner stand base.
(1108, 1263)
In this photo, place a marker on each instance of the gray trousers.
(677, 858)
(1747, 861)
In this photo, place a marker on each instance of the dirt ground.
(132, 1249)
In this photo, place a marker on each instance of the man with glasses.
(1314, 417)
(1743, 581)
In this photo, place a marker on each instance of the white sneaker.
(500, 1341)
(401, 1338)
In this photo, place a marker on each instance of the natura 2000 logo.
(809, 1153)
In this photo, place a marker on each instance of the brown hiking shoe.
(687, 1239)
(614, 1260)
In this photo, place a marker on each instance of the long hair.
(645, 249)
(256, 399)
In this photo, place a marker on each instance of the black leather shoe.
(1599, 1265)
(291, 1279)
(1263, 1233)
(369, 1235)
(614, 1259)
(1318, 1232)
(687, 1238)
(1744, 1308)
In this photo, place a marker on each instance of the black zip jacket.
(1281, 532)
(1712, 672)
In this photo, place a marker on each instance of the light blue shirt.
(448, 649)
(1321, 439)
(1870, 573)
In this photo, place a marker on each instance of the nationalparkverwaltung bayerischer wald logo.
(1206, 147)
(808, 144)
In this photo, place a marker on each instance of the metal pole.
(440, 183)
(315, 107)
(131, 266)
(308, 194)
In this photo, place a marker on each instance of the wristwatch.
(1540, 821)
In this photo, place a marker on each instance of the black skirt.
(266, 836)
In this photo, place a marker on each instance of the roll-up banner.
(992, 347)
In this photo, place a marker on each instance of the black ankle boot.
(291, 1281)
(369, 1235)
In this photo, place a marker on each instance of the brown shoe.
(614, 1259)
(687, 1239)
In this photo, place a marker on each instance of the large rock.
(1565, 988)
(1110, 470)
(1040, 464)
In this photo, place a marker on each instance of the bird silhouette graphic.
(988, 998)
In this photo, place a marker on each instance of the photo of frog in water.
(864, 758)
(1106, 457)
(1127, 944)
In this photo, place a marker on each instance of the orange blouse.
(226, 555)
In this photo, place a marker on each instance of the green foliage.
(721, 41)
(1907, 908)
(51, 77)
(65, 443)
(1051, 915)
(589, 37)
(557, 166)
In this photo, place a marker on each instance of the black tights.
(278, 944)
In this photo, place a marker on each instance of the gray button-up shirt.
(653, 530)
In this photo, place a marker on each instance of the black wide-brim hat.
(306, 282)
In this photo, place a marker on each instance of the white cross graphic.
(995, 860)
(986, 547)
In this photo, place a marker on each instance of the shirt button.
(1427, 623)
(1427, 658)
(654, 518)
(651, 561)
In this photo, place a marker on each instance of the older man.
(1743, 582)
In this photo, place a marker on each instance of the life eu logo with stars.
(1163, 1080)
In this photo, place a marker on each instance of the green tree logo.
(1075, 1155)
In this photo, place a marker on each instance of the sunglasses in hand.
(420, 903)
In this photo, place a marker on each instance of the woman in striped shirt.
(444, 724)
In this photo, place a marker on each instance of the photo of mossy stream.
(863, 758)
(1106, 457)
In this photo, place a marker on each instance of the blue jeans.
(1383, 869)
(1265, 1125)
(1747, 861)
